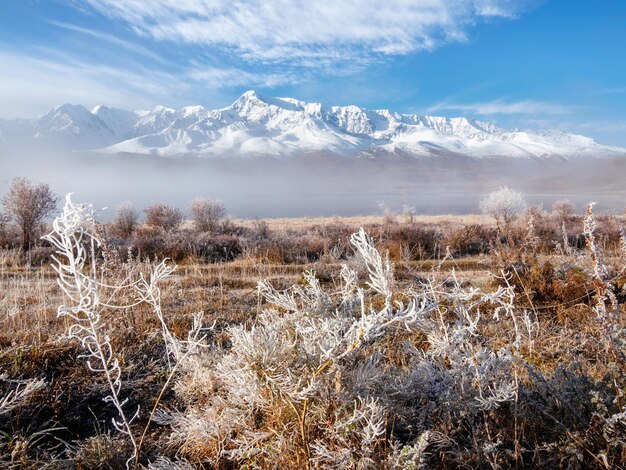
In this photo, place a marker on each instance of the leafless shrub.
(4, 236)
(163, 216)
(261, 229)
(206, 214)
(28, 204)
(542, 233)
(125, 222)
(563, 210)
(472, 239)
(415, 241)
(408, 211)
(608, 230)
(216, 248)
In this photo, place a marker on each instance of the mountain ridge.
(276, 126)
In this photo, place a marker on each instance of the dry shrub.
(470, 240)
(37, 256)
(563, 211)
(148, 242)
(608, 231)
(163, 216)
(154, 243)
(217, 248)
(206, 214)
(549, 285)
(542, 228)
(408, 242)
(125, 222)
(290, 248)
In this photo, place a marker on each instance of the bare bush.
(4, 236)
(503, 205)
(206, 214)
(126, 221)
(470, 240)
(28, 204)
(163, 216)
(563, 210)
(408, 211)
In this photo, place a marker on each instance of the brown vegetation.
(564, 332)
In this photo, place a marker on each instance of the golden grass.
(302, 223)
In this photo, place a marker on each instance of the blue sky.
(518, 63)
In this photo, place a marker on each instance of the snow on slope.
(255, 125)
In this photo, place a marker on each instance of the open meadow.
(417, 342)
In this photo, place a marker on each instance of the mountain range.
(255, 125)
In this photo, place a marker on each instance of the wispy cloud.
(309, 33)
(530, 107)
(111, 39)
(603, 126)
(69, 78)
(235, 77)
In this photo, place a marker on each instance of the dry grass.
(303, 223)
(68, 425)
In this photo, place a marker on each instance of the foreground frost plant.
(320, 376)
(92, 298)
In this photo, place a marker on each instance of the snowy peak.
(120, 122)
(263, 125)
(72, 126)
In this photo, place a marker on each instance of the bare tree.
(409, 213)
(28, 204)
(206, 213)
(563, 210)
(4, 220)
(503, 205)
(126, 220)
(166, 217)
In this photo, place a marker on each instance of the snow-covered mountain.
(255, 125)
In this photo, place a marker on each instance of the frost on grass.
(320, 376)
(20, 394)
(356, 373)
(93, 298)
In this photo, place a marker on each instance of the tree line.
(28, 204)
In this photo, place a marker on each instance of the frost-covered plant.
(614, 333)
(73, 236)
(503, 205)
(16, 397)
(92, 298)
(319, 377)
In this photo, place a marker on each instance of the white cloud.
(311, 33)
(503, 107)
(24, 92)
(110, 39)
(234, 77)
(603, 126)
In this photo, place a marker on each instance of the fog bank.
(318, 185)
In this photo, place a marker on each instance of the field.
(420, 342)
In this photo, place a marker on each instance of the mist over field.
(316, 185)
